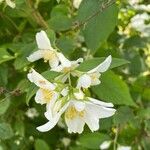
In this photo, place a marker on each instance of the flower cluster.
(61, 97)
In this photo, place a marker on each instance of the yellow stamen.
(93, 76)
(48, 55)
(66, 69)
(48, 94)
(71, 113)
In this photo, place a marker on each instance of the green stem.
(116, 138)
(69, 79)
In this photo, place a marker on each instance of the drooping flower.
(91, 77)
(79, 110)
(9, 3)
(46, 93)
(47, 52)
(76, 3)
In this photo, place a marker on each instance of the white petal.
(65, 91)
(105, 145)
(91, 118)
(57, 68)
(101, 103)
(43, 41)
(95, 78)
(124, 147)
(84, 81)
(76, 3)
(79, 95)
(10, 3)
(35, 56)
(64, 61)
(54, 62)
(103, 66)
(95, 82)
(80, 106)
(48, 126)
(39, 80)
(53, 120)
(55, 110)
(100, 111)
(75, 125)
(76, 62)
(39, 97)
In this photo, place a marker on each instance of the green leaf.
(60, 23)
(66, 45)
(20, 128)
(31, 91)
(4, 104)
(6, 131)
(98, 28)
(113, 89)
(92, 63)
(41, 145)
(59, 10)
(24, 51)
(3, 75)
(92, 140)
(145, 143)
(121, 116)
(5, 56)
(146, 94)
(144, 113)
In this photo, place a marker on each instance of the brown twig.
(36, 15)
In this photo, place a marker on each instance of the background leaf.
(113, 89)
(99, 27)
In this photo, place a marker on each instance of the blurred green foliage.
(76, 32)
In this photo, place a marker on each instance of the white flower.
(88, 112)
(67, 68)
(92, 77)
(76, 3)
(9, 3)
(133, 2)
(105, 145)
(120, 147)
(47, 52)
(53, 114)
(138, 23)
(78, 111)
(32, 113)
(46, 92)
(143, 7)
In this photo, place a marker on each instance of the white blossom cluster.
(61, 96)
(138, 22)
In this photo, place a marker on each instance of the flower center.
(71, 113)
(66, 69)
(48, 55)
(94, 76)
(48, 94)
